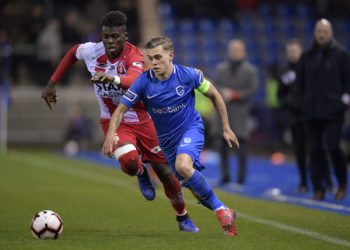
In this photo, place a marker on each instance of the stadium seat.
(247, 27)
(263, 11)
(304, 11)
(206, 26)
(187, 26)
(226, 25)
(169, 26)
(284, 10)
(166, 10)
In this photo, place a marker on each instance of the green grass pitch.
(102, 208)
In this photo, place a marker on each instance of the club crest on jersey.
(120, 68)
(180, 90)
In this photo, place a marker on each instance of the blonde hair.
(160, 40)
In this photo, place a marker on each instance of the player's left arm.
(209, 90)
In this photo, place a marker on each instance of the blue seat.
(251, 45)
(187, 26)
(166, 10)
(304, 11)
(247, 27)
(285, 10)
(287, 28)
(206, 26)
(169, 26)
(263, 10)
(270, 28)
(226, 25)
(190, 59)
(255, 60)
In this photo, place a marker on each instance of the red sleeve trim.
(67, 61)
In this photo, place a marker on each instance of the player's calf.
(130, 162)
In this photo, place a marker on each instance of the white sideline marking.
(295, 229)
(49, 165)
(287, 199)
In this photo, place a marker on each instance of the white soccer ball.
(46, 225)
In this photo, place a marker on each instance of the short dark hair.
(160, 40)
(114, 19)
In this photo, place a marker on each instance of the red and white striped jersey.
(108, 95)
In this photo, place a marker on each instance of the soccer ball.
(46, 225)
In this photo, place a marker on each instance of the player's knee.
(163, 171)
(184, 165)
(129, 159)
(185, 170)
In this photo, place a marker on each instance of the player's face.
(161, 61)
(323, 32)
(113, 39)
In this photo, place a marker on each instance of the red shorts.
(143, 136)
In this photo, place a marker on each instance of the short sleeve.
(132, 95)
(82, 49)
(201, 84)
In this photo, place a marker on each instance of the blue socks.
(200, 185)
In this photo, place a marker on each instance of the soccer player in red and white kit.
(114, 65)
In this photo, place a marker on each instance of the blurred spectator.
(287, 100)
(95, 9)
(129, 7)
(147, 62)
(323, 88)
(5, 64)
(78, 132)
(70, 28)
(275, 118)
(36, 22)
(237, 81)
(91, 32)
(49, 49)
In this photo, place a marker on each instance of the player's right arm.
(114, 123)
(49, 92)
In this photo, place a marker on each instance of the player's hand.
(230, 137)
(108, 145)
(49, 94)
(101, 77)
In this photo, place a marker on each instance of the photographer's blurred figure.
(237, 80)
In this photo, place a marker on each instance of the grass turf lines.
(102, 208)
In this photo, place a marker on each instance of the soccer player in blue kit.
(167, 91)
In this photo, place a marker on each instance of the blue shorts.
(191, 143)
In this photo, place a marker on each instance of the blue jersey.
(170, 102)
